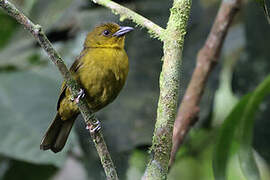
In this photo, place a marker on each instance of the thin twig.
(87, 114)
(206, 61)
(157, 168)
(126, 13)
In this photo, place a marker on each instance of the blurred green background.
(30, 84)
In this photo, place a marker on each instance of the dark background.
(30, 84)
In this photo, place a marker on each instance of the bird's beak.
(122, 31)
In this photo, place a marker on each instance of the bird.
(101, 70)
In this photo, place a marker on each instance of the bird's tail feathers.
(56, 135)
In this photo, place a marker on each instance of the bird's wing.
(73, 69)
(62, 94)
(78, 62)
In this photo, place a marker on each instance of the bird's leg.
(94, 127)
(80, 95)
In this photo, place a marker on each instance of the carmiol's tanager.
(101, 70)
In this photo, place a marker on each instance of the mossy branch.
(157, 167)
(87, 114)
(125, 13)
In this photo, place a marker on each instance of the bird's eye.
(106, 33)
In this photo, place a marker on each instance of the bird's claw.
(80, 95)
(95, 127)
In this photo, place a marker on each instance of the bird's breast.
(103, 76)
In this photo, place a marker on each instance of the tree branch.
(87, 114)
(157, 167)
(126, 13)
(206, 61)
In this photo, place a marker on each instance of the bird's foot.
(95, 127)
(80, 95)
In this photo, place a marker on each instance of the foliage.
(29, 88)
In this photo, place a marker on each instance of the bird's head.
(109, 35)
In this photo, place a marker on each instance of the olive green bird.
(101, 70)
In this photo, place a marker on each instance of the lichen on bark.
(173, 38)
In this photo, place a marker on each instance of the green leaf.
(224, 140)
(137, 164)
(27, 105)
(245, 136)
(7, 29)
(52, 13)
(240, 120)
(19, 169)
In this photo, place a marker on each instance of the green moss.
(122, 18)
(176, 28)
(169, 82)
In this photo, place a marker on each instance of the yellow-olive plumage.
(101, 69)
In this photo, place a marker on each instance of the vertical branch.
(206, 61)
(157, 167)
(87, 114)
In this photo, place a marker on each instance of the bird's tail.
(56, 135)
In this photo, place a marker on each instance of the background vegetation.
(29, 86)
